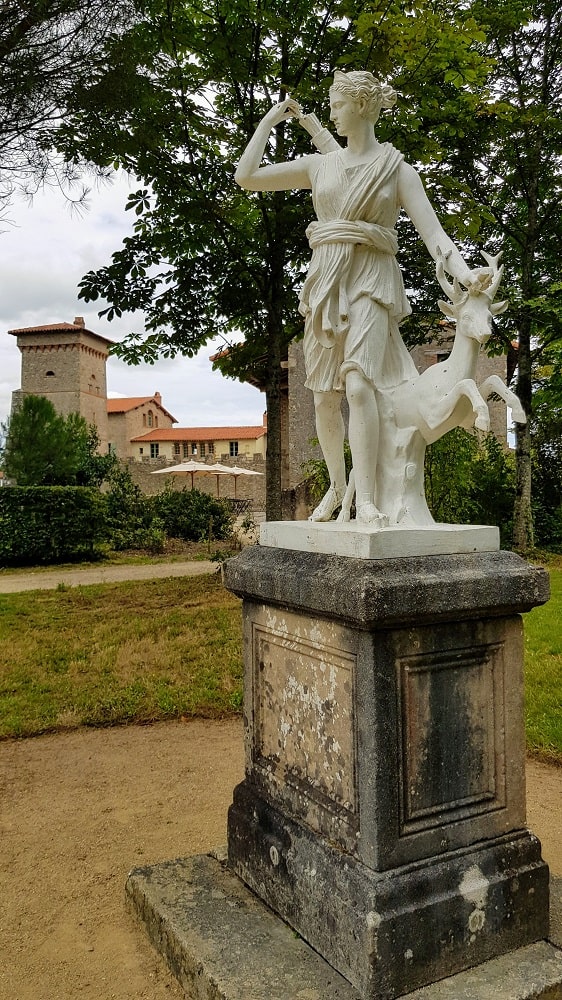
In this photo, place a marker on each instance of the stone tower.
(65, 362)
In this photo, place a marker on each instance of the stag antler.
(496, 275)
(454, 291)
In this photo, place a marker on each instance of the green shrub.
(471, 481)
(49, 524)
(192, 515)
(130, 520)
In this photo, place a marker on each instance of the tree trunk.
(523, 540)
(273, 455)
(275, 354)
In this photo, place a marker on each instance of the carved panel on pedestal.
(303, 716)
(451, 735)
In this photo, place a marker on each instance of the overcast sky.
(44, 254)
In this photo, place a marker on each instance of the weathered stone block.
(383, 809)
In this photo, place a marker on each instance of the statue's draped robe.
(353, 266)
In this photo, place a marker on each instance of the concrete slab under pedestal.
(220, 940)
(360, 541)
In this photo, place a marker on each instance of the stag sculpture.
(421, 410)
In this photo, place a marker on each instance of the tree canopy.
(175, 100)
(511, 164)
(46, 47)
(43, 448)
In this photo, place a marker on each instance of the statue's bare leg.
(364, 441)
(330, 430)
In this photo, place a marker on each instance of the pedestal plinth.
(382, 814)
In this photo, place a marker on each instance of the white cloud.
(42, 258)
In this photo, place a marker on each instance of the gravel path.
(13, 583)
(78, 810)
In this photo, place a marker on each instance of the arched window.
(150, 418)
(50, 374)
(144, 420)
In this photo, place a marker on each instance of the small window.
(185, 450)
(154, 449)
(141, 451)
(233, 446)
(50, 374)
(156, 420)
(202, 449)
(144, 420)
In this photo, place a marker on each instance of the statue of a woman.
(353, 299)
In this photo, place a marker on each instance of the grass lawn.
(117, 653)
(137, 652)
(543, 674)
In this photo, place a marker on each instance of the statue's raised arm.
(250, 173)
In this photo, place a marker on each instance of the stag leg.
(440, 414)
(494, 384)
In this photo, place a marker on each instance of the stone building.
(66, 363)
(182, 444)
(132, 418)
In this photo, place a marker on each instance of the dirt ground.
(78, 810)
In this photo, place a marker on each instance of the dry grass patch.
(116, 653)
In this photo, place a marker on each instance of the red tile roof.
(203, 434)
(125, 404)
(59, 328)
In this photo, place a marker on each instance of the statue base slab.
(361, 541)
(219, 939)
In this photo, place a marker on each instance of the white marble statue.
(353, 301)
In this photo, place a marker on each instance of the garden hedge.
(49, 524)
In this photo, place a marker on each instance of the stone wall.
(68, 368)
(250, 488)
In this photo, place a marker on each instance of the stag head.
(485, 281)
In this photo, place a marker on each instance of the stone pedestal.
(382, 814)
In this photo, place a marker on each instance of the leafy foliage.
(46, 47)
(49, 524)
(546, 443)
(511, 162)
(43, 448)
(192, 515)
(176, 99)
(471, 482)
(129, 517)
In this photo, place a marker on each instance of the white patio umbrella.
(187, 469)
(200, 468)
(235, 470)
